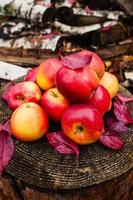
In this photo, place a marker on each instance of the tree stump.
(120, 188)
(37, 172)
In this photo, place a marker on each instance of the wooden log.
(116, 50)
(25, 61)
(67, 16)
(111, 34)
(127, 5)
(30, 10)
(33, 57)
(120, 188)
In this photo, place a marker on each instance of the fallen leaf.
(115, 125)
(62, 143)
(111, 140)
(6, 146)
(31, 75)
(76, 60)
(122, 112)
(6, 90)
(124, 99)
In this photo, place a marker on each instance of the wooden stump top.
(39, 165)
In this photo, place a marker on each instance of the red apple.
(82, 123)
(46, 72)
(54, 103)
(23, 92)
(96, 63)
(76, 84)
(31, 75)
(101, 99)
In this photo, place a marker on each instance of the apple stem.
(54, 94)
(78, 130)
(20, 97)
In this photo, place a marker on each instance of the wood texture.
(120, 188)
(29, 57)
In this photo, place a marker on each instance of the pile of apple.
(74, 91)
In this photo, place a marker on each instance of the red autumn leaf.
(62, 143)
(88, 9)
(121, 111)
(72, 1)
(124, 99)
(6, 90)
(6, 127)
(111, 140)
(76, 60)
(118, 126)
(49, 36)
(31, 75)
(6, 147)
(106, 29)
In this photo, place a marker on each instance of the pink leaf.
(62, 143)
(6, 90)
(49, 36)
(122, 113)
(106, 29)
(31, 75)
(88, 10)
(71, 1)
(6, 127)
(45, 4)
(124, 99)
(76, 60)
(6, 147)
(112, 141)
(118, 126)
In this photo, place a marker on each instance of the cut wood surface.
(104, 174)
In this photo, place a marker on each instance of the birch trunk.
(26, 9)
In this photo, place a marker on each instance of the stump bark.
(37, 172)
(120, 188)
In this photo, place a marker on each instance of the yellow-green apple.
(96, 62)
(31, 75)
(23, 92)
(29, 122)
(110, 82)
(82, 123)
(54, 103)
(46, 72)
(101, 99)
(76, 84)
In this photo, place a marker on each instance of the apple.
(46, 72)
(101, 99)
(96, 62)
(31, 75)
(110, 82)
(76, 84)
(82, 123)
(23, 92)
(29, 122)
(54, 103)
